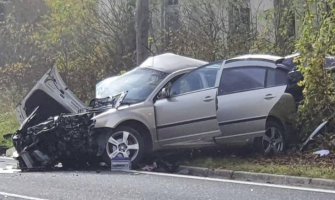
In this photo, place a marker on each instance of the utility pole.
(142, 30)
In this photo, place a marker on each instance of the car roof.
(260, 57)
(169, 62)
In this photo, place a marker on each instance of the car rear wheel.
(273, 141)
(124, 142)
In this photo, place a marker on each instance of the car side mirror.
(295, 76)
(164, 93)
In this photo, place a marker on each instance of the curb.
(257, 177)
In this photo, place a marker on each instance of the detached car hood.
(51, 95)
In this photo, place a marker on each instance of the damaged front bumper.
(68, 138)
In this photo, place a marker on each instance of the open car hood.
(51, 95)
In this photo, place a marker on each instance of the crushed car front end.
(65, 138)
(69, 139)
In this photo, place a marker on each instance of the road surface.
(107, 185)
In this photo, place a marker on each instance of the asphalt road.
(7, 165)
(108, 185)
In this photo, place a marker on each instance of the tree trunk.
(142, 30)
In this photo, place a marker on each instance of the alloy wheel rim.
(122, 144)
(273, 140)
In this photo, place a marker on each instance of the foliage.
(213, 30)
(8, 124)
(8, 121)
(203, 31)
(278, 28)
(82, 35)
(21, 60)
(316, 42)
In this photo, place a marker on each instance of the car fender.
(114, 117)
(285, 111)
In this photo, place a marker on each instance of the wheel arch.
(275, 119)
(142, 129)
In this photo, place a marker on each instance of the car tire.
(273, 141)
(124, 141)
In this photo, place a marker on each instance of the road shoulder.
(258, 177)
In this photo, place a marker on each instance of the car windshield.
(139, 83)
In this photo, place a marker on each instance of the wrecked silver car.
(168, 102)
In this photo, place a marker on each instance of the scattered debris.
(150, 168)
(317, 131)
(322, 153)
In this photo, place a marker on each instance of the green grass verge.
(8, 124)
(318, 169)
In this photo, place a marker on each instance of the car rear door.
(51, 95)
(245, 99)
(188, 116)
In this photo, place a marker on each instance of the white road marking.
(9, 171)
(239, 182)
(6, 158)
(19, 196)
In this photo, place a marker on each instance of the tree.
(316, 42)
(142, 30)
(90, 40)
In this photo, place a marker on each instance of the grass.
(299, 166)
(8, 124)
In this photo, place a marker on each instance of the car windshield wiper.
(120, 97)
(107, 102)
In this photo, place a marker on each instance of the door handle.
(269, 96)
(208, 99)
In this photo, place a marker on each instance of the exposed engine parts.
(60, 139)
(70, 139)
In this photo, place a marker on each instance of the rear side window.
(242, 79)
(276, 77)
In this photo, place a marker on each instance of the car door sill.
(242, 120)
(260, 133)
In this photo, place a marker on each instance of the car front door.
(245, 99)
(188, 115)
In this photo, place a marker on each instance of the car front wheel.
(124, 142)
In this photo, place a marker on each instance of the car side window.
(198, 79)
(276, 77)
(241, 79)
